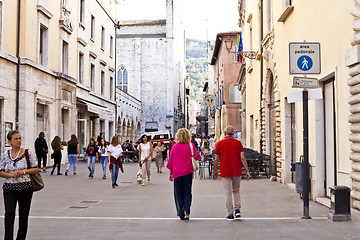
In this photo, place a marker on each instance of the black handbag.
(36, 179)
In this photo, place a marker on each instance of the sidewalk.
(79, 207)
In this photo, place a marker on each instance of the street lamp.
(247, 54)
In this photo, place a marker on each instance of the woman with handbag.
(57, 147)
(17, 187)
(181, 171)
(41, 150)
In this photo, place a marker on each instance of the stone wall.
(353, 63)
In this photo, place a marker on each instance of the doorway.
(329, 135)
(271, 125)
(252, 131)
(292, 139)
(85, 132)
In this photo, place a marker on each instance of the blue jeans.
(104, 160)
(72, 161)
(182, 194)
(114, 172)
(91, 164)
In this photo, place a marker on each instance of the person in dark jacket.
(57, 147)
(41, 150)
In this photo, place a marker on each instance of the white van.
(163, 136)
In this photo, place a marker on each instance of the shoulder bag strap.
(27, 158)
(192, 151)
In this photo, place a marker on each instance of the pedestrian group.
(17, 163)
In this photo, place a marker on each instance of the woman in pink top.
(181, 172)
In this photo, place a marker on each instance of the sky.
(202, 19)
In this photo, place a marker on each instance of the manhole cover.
(89, 201)
(79, 207)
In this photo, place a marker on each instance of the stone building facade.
(151, 67)
(226, 68)
(352, 62)
(272, 123)
(64, 66)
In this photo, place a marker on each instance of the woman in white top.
(145, 152)
(115, 152)
(104, 155)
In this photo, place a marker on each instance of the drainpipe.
(18, 68)
(117, 26)
(261, 71)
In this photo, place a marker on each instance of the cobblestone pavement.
(79, 207)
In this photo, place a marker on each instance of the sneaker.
(148, 180)
(104, 177)
(59, 173)
(230, 218)
(116, 184)
(66, 173)
(237, 213)
(113, 185)
(144, 183)
(74, 173)
(89, 174)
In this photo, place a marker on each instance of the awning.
(95, 108)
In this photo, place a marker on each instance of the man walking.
(231, 154)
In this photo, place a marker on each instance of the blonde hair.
(182, 136)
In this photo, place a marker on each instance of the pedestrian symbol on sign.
(305, 63)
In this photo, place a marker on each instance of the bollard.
(340, 204)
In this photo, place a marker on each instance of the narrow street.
(88, 208)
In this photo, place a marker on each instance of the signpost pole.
(305, 167)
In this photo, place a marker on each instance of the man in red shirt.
(231, 154)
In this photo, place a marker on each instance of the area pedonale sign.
(304, 58)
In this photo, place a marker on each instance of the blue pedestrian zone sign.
(304, 58)
(305, 63)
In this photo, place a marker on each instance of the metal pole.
(305, 168)
(18, 68)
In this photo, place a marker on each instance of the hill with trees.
(196, 65)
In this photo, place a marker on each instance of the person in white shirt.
(115, 152)
(104, 155)
(145, 153)
(211, 141)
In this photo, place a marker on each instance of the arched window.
(122, 81)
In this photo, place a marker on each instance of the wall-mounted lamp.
(247, 54)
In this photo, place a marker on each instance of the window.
(92, 76)
(65, 57)
(234, 94)
(82, 11)
(111, 46)
(287, 10)
(102, 83)
(287, 3)
(92, 28)
(102, 38)
(81, 67)
(43, 45)
(122, 81)
(111, 87)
